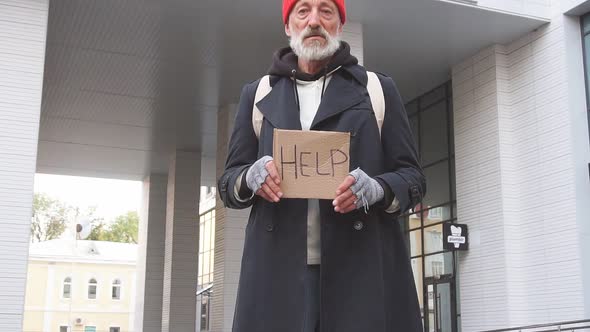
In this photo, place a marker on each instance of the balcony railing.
(571, 326)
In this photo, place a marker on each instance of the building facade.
(80, 286)
(495, 90)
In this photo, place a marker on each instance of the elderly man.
(322, 265)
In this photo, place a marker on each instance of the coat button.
(270, 227)
(358, 225)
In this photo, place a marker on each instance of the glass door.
(440, 305)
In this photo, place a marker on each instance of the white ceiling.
(129, 81)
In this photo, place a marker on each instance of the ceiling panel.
(129, 81)
(121, 85)
(69, 102)
(101, 71)
(126, 27)
(82, 159)
(57, 129)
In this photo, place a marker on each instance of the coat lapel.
(340, 95)
(280, 109)
(279, 106)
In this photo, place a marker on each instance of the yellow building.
(80, 286)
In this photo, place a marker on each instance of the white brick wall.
(182, 243)
(516, 183)
(575, 7)
(150, 263)
(538, 8)
(23, 29)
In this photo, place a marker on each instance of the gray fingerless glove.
(367, 190)
(257, 174)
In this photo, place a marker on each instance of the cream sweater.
(310, 96)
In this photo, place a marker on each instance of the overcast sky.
(112, 197)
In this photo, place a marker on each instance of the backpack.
(374, 89)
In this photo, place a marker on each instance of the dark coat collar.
(279, 106)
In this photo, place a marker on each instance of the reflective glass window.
(92, 284)
(67, 288)
(438, 265)
(431, 121)
(416, 243)
(434, 133)
(437, 215)
(116, 290)
(586, 24)
(418, 278)
(433, 239)
(437, 181)
(415, 130)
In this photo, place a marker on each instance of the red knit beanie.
(289, 4)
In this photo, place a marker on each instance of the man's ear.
(287, 30)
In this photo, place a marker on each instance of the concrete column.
(150, 262)
(520, 186)
(22, 57)
(182, 243)
(230, 226)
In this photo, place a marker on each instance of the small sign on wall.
(455, 236)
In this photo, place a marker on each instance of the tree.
(96, 223)
(97, 229)
(123, 229)
(50, 218)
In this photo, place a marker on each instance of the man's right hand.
(263, 179)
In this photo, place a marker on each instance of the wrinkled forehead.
(318, 3)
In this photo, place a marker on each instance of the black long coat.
(366, 277)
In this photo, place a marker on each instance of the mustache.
(313, 32)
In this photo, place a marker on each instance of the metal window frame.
(586, 66)
(209, 251)
(449, 159)
(201, 274)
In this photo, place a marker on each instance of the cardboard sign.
(311, 164)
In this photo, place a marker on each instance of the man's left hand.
(356, 191)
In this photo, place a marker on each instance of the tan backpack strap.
(377, 98)
(261, 92)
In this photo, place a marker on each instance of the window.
(437, 268)
(64, 328)
(89, 328)
(585, 21)
(205, 313)
(116, 290)
(439, 265)
(92, 284)
(114, 329)
(436, 213)
(433, 241)
(206, 263)
(431, 121)
(432, 128)
(206, 248)
(67, 289)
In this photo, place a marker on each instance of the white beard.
(316, 51)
